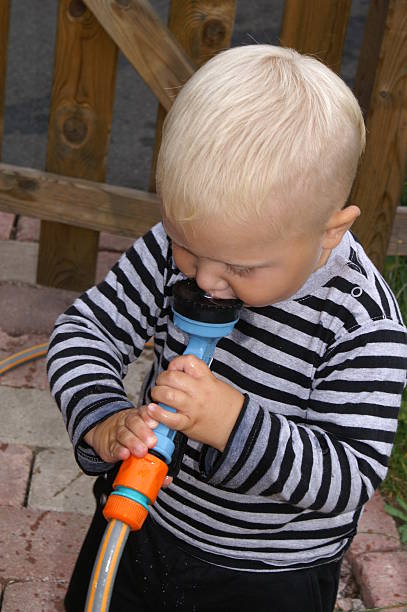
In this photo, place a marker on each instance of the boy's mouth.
(220, 295)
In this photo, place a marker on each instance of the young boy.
(290, 431)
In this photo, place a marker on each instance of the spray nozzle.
(190, 301)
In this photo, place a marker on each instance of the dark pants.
(155, 575)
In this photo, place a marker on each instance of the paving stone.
(112, 242)
(18, 261)
(376, 532)
(44, 595)
(28, 229)
(58, 484)
(15, 467)
(37, 544)
(6, 225)
(31, 309)
(30, 416)
(383, 578)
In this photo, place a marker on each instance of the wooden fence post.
(4, 28)
(317, 28)
(383, 168)
(202, 28)
(369, 52)
(78, 136)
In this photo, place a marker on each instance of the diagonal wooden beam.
(202, 28)
(146, 42)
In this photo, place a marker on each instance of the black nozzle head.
(190, 301)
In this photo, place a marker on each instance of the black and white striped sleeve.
(99, 335)
(333, 460)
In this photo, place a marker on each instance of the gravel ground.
(348, 598)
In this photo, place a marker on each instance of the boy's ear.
(339, 223)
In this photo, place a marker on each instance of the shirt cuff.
(218, 468)
(87, 459)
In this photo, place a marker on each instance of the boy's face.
(233, 261)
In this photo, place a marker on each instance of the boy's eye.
(239, 271)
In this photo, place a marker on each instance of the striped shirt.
(322, 373)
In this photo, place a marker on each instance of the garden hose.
(139, 480)
(39, 350)
(29, 354)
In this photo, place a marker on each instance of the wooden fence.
(70, 196)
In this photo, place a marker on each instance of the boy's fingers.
(169, 396)
(115, 453)
(167, 482)
(176, 379)
(135, 426)
(151, 423)
(137, 445)
(190, 364)
(121, 453)
(173, 420)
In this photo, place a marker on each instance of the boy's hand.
(207, 408)
(125, 433)
(128, 432)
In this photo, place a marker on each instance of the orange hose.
(39, 350)
(112, 572)
(98, 567)
(106, 566)
(29, 354)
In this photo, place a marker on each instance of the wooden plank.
(87, 204)
(202, 28)
(78, 136)
(369, 52)
(383, 168)
(107, 208)
(316, 28)
(147, 44)
(4, 29)
(398, 238)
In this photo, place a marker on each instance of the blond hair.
(260, 129)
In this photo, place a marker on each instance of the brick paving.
(46, 502)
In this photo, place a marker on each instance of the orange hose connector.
(144, 475)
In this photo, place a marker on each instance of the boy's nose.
(209, 278)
